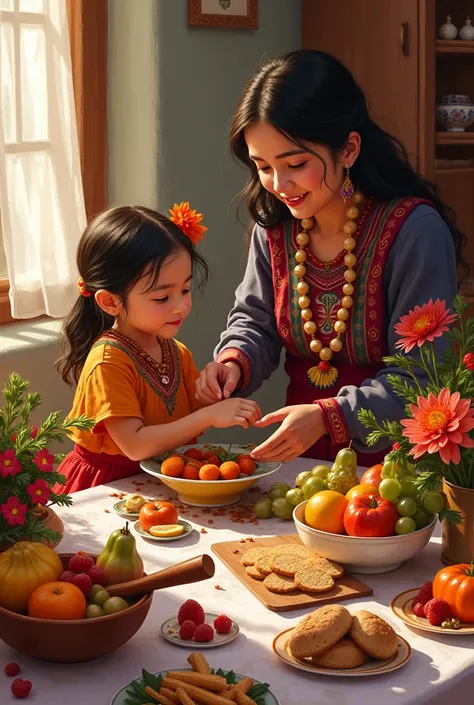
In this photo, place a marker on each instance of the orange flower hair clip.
(188, 221)
(82, 288)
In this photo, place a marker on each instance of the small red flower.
(9, 463)
(396, 446)
(468, 360)
(34, 432)
(44, 460)
(39, 491)
(13, 512)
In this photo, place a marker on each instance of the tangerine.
(57, 600)
(209, 472)
(246, 464)
(172, 467)
(229, 470)
(190, 472)
(325, 511)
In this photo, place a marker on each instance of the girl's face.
(161, 310)
(293, 175)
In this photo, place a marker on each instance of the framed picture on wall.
(223, 13)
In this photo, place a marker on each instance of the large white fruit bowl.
(361, 554)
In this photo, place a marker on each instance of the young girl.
(133, 378)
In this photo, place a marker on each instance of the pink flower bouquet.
(27, 474)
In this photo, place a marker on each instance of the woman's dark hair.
(118, 248)
(309, 96)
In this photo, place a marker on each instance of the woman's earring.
(347, 187)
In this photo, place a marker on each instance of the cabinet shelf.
(455, 138)
(454, 171)
(455, 46)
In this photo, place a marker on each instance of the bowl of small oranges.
(209, 475)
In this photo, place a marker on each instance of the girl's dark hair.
(309, 96)
(118, 247)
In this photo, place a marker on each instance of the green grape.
(433, 502)
(337, 486)
(406, 507)
(312, 486)
(388, 469)
(276, 492)
(345, 474)
(302, 477)
(421, 518)
(408, 489)
(389, 489)
(405, 525)
(321, 471)
(101, 597)
(282, 509)
(263, 508)
(283, 485)
(294, 496)
(93, 611)
(114, 604)
(93, 591)
(402, 472)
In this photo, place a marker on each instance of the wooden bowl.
(72, 641)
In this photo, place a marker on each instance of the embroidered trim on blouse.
(236, 355)
(335, 421)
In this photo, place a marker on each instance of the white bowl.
(361, 554)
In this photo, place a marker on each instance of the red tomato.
(372, 476)
(157, 513)
(370, 515)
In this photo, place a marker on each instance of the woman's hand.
(234, 412)
(217, 381)
(301, 426)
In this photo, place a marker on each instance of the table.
(440, 670)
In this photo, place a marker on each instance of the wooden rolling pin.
(190, 571)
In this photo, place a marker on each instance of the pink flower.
(9, 463)
(13, 511)
(423, 324)
(44, 460)
(440, 425)
(39, 491)
(468, 360)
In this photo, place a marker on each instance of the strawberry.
(21, 688)
(83, 582)
(437, 611)
(12, 669)
(66, 576)
(187, 629)
(222, 624)
(204, 632)
(191, 610)
(425, 594)
(96, 574)
(80, 563)
(418, 609)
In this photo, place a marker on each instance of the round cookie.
(333, 569)
(320, 630)
(310, 579)
(343, 655)
(280, 584)
(374, 635)
(287, 563)
(250, 556)
(254, 572)
(263, 563)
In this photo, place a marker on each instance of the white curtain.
(41, 198)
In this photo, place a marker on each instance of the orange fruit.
(57, 601)
(172, 467)
(209, 472)
(190, 472)
(325, 511)
(361, 489)
(194, 453)
(247, 464)
(229, 470)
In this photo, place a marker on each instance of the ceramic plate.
(119, 509)
(170, 632)
(373, 667)
(120, 698)
(187, 530)
(402, 608)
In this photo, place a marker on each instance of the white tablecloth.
(440, 671)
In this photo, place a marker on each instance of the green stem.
(433, 362)
(426, 366)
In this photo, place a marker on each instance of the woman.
(347, 238)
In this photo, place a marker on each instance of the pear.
(120, 559)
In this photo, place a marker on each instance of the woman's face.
(292, 174)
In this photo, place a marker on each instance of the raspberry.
(425, 594)
(222, 624)
(97, 576)
(80, 564)
(187, 629)
(418, 609)
(437, 611)
(204, 632)
(83, 582)
(193, 611)
(21, 688)
(67, 576)
(12, 669)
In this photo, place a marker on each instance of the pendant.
(323, 376)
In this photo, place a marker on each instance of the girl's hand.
(217, 381)
(301, 426)
(234, 412)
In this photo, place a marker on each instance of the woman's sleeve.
(251, 338)
(421, 265)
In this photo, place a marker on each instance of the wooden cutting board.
(230, 553)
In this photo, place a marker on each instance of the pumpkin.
(455, 584)
(23, 568)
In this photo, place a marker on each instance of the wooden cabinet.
(393, 51)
